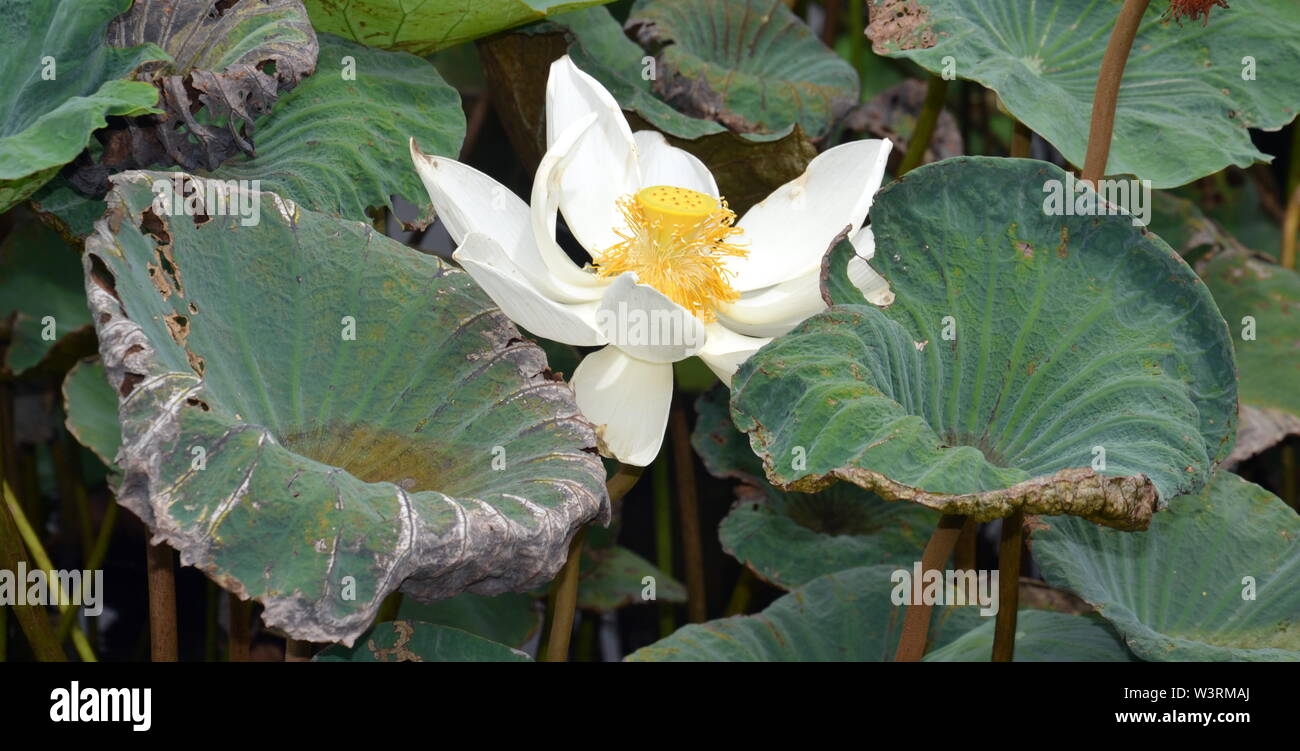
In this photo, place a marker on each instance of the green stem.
(857, 30)
(663, 512)
(31, 618)
(742, 593)
(916, 621)
(689, 512)
(1102, 126)
(925, 123)
(37, 551)
(564, 595)
(1004, 634)
(96, 559)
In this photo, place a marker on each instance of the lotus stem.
(298, 651)
(857, 31)
(96, 559)
(33, 543)
(240, 632)
(162, 602)
(31, 618)
(564, 596)
(1291, 226)
(1004, 634)
(663, 513)
(1102, 127)
(1020, 139)
(916, 620)
(925, 123)
(742, 593)
(689, 511)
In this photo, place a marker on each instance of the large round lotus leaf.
(847, 616)
(422, 27)
(509, 618)
(1041, 636)
(307, 147)
(316, 415)
(62, 81)
(1261, 302)
(788, 539)
(91, 408)
(41, 298)
(1212, 579)
(752, 65)
(1021, 350)
(229, 62)
(612, 577)
(413, 641)
(1199, 87)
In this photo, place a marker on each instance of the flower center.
(676, 240)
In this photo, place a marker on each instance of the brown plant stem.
(241, 639)
(1102, 126)
(162, 602)
(935, 92)
(663, 515)
(1004, 634)
(298, 651)
(689, 512)
(916, 620)
(1020, 136)
(564, 593)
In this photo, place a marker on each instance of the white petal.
(872, 285)
(665, 164)
(603, 167)
(627, 400)
(545, 199)
(494, 271)
(789, 231)
(467, 200)
(726, 350)
(777, 309)
(641, 321)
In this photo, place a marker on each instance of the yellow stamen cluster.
(676, 240)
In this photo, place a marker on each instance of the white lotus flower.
(672, 273)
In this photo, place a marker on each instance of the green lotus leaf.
(1186, 228)
(613, 577)
(320, 425)
(70, 211)
(421, 27)
(509, 618)
(753, 65)
(847, 616)
(91, 408)
(42, 303)
(307, 148)
(789, 539)
(228, 62)
(63, 81)
(1261, 302)
(1199, 86)
(1042, 636)
(1022, 349)
(1212, 579)
(747, 166)
(413, 641)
